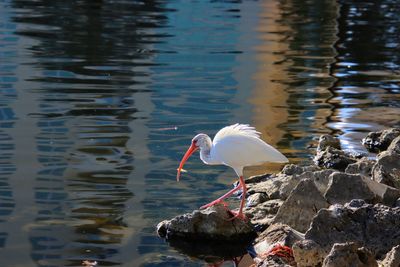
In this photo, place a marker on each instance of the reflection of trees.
(86, 53)
(310, 34)
(367, 61)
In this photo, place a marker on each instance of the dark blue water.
(99, 101)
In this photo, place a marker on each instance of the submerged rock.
(380, 141)
(213, 223)
(349, 255)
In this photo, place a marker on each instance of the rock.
(395, 145)
(259, 178)
(276, 234)
(262, 214)
(349, 255)
(301, 206)
(375, 227)
(319, 177)
(209, 224)
(307, 253)
(292, 169)
(269, 187)
(256, 199)
(326, 140)
(333, 158)
(362, 166)
(344, 187)
(379, 141)
(387, 169)
(392, 258)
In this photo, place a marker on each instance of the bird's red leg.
(240, 214)
(220, 199)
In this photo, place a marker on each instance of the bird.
(236, 146)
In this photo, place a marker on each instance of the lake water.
(100, 99)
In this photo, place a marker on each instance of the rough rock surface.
(333, 158)
(363, 167)
(349, 255)
(395, 145)
(344, 187)
(380, 141)
(301, 206)
(209, 224)
(326, 140)
(392, 258)
(375, 227)
(308, 253)
(387, 169)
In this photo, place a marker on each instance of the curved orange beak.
(188, 153)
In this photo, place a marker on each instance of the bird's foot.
(239, 215)
(213, 203)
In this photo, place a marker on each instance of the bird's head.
(198, 141)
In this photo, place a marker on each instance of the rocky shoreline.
(343, 210)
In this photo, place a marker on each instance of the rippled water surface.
(99, 100)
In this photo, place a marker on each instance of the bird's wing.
(236, 129)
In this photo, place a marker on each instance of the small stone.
(327, 140)
(395, 145)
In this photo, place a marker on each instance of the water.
(100, 99)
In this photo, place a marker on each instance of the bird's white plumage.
(239, 145)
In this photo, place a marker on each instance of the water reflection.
(100, 99)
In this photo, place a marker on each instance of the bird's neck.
(205, 153)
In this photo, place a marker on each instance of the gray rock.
(333, 158)
(308, 253)
(292, 169)
(392, 258)
(320, 179)
(209, 224)
(344, 187)
(362, 166)
(263, 214)
(349, 255)
(256, 199)
(387, 169)
(379, 141)
(301, 206)
(269, 187)
(327, 140)
(375, 227)
(395, 145)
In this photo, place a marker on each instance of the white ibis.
(237, 146)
